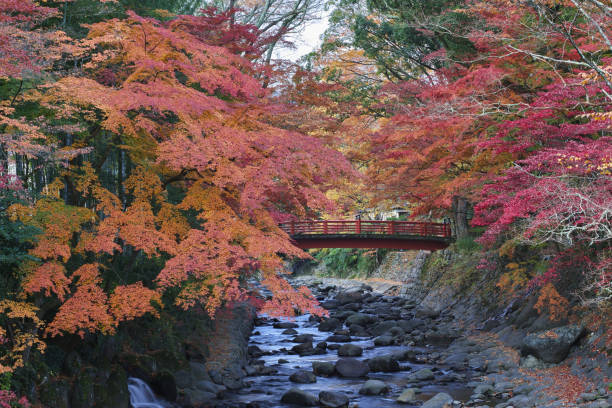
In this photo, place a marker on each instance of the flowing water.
(267, 390)
(141, 395)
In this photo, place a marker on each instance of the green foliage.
(468, 245)
(5, 381)
(405, 33)
(349, 262)
(15, 240)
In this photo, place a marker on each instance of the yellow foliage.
(514, 279)
(552, 301)
(24, 333)
(507, 249)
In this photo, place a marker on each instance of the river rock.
(407, 396)
(552, 346)
(285, 325)
(331, 399)
(323, 368)
(423, 374)
(361, 319)
(382, 327)
(350, 350)
(441, 400)
(351, 368)
(339, 338)
(302, 338)
(349, 296)
(303, 348)
(289, 331)
(358, 331)
(385, 363)
(299, 397)
(374, 387)
(383, 341)
(255, 351)
(330, 324)
(303, 377)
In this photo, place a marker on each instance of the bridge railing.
(367, 227)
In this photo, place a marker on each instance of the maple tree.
(182, 107)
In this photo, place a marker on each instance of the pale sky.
(306, 41)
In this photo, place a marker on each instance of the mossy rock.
(113, 393)
(164, 384)
(55, 393)
(72, 364)
(167, 360)
(139, 365)
(83, 389)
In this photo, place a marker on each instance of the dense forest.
(149, 149)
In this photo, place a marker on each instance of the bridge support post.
(392, 227)
(325, 227)
(292, 227)
(358, 227)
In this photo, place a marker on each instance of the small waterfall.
(141, 395)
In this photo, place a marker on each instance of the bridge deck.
(368, 234)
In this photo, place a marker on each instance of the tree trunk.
(461, 208)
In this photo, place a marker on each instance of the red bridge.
(369, 234)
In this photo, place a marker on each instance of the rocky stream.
(377, 350)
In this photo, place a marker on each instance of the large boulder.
(407, 396)
(436, 301)
(423, 374)
(441, 400)
(386, 363)
(285, 325)
(330, 324)
(302, 338)
(331, 399)
(361, 319)
(303, 349)
(350, 350)
(298, 397)
(351, 368)
(303, 377)
(338, 338)
(374, 387)
(323, 368)
(384, 340)
(552, 346)
(382, 327)
(350, 296)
